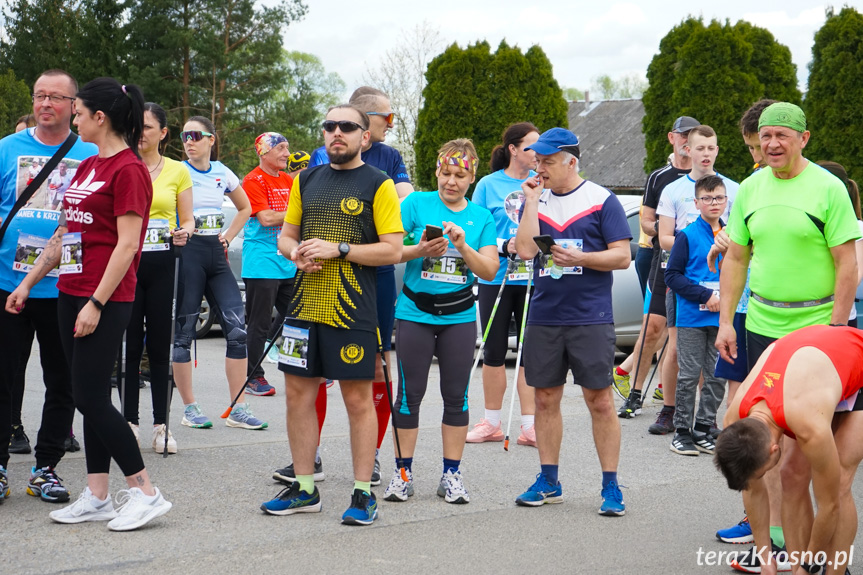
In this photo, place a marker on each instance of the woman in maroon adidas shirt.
(98, 247)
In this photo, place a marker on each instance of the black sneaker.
(664, 422)
(71, 444)
(287, 476)
(704, 443)
(631, 407)
(376, 474)
(715, 430)
(19, 442)
(683, 444)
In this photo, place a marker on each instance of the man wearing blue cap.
(570, 325)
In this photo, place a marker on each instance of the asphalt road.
(220, 477)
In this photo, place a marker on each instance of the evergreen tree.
(38, 36)
(14, 101)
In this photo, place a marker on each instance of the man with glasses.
(53, 106)
(342, 221)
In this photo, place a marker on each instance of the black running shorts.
(318, 350)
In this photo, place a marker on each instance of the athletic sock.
(777, 536)
(450, 464)
(382, 408)
(634, 393)
(307, 483)
(550, 471)
(528, 421)
(364, 486)
(620, 371)
(703, 428)
(318, 454)
(321, 407)
(407, 462)
(608, 477)
(492, 416)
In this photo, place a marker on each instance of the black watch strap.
(344, 248)
(99, 305)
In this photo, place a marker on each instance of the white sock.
(492, 416)
(527, 421)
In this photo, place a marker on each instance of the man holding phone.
(570, 325)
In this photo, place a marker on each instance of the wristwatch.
(344, 248)
(811, 567)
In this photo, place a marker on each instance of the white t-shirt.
(678, 201)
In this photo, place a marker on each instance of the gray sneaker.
(683, 444)
(241, 417)
(376, 474)
(399, 489)
(452, 488)
(286, 475)
(704, 443)
(193, 417)
(86, 508)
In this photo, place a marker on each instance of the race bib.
(449, 268)
(546, 270)
(71, 254)
(27, 251)
(294, 350)
(709, 285)
(208, 221)
(518, 271)
(158, 236)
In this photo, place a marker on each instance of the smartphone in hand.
(433, 233)
(544, 242)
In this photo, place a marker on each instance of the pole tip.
(506, 444)
(227, 413)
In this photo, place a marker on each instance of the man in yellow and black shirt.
(342, 221)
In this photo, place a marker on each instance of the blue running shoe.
(292, 500)
(241, 416)
(612, 501)
(363, 509)
(4, 484)
(260, 386)
(542, 491)
(740, 533)
(195, 418)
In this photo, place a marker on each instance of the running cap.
(684, 124)
(267, 141)
(299, 160)
(556, 140)
(784, 114)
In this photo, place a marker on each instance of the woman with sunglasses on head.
(154, 292)
(97, 246)
(205, 270)
(436, 314)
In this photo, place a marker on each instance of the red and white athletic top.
(103, 189)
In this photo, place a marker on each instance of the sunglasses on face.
(388, 117)
(344, 125)
(194, 135)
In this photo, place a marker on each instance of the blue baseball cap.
(556, 140)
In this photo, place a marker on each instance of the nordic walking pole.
(518, 355)
(488, 326)
(121, 376)
(658, 359)
(401, 462)
(652, 285)
(177, 250)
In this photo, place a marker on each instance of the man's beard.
(343, 157)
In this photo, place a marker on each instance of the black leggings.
(511, 303)
(154, 293)
(91, 360)
(454, 346)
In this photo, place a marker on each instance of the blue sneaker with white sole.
(612, 501)
(241, 417)
(193, 417)
(542, 491)
(363, 509)
(292, 500)
(739, 534)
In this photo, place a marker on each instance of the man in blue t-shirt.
(25, 238)
(570, 326)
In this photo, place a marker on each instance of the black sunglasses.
(344, 125)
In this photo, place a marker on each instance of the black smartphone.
(544, 242)
(433, 233)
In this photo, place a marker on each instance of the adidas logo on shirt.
(76, 193)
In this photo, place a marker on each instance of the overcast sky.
(582, 39)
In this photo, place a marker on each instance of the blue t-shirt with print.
(502, 196)
(35, 223)
(446, 274)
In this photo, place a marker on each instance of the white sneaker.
(399, 489)
(136, 431)
(159, 440)
(452, 488)
(87, 508)
(137, 509)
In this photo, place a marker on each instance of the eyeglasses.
(343, 125)
(713, 199)
(194, 135)
(55, 98)
(388, 117)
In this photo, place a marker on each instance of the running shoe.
(287, 476)
(4, 484)
(260, 386)
(657, 393)
(363, 509)
(159, 440)
(45, 484)
(292, 500)
(71, 443)
(749, 562)
(612, 501)
(452, 489)
(631, 407)
(704, 443)
(136, 431)
(527, 436)
(484, 431)
(241, 416)
(19, 442)
(376, 473)
(664, 423)
(683, 444)
(273, 354)
(137, 509)
(740, 533)
(86, 508)
(399, 489)
(195, 418)
(542, 491)
(620, 384)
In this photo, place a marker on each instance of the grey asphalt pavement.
(220, 477)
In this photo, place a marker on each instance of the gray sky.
(583, 40)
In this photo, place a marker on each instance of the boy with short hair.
(697, 312)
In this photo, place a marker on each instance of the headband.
(457, 159)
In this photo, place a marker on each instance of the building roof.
(612, 144)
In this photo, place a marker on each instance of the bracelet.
(99, 305)
(838, 325)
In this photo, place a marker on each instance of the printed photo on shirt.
(50, 194)
(512, 204)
